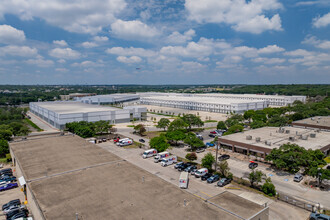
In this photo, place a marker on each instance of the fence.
(309, 206)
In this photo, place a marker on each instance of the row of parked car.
(201, 173)
(123, 142)
(164, 158)
(7, 179)
(15, 210)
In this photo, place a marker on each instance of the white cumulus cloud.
(177, 38)
(40, 62)
(64, 53)
(22, 51)
(132, 59)
(322, 21)
(61, 43)
(131, 51)
(133, 30)
(11, 35)
(271, 49)
(89, 44)
(312, 40)
(241, 15)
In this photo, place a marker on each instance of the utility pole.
(216, 155)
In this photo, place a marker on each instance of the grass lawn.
(29, 122)
(131, 126)
(152, 134)
(327, 159)
(3, 160)
(208, 121)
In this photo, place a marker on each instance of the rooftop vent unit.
(304, 137)
(268, 143)
(291, 138)
(287, 131)
(281, 130)
(249, 137)
(300, 136)
(258, 139)
(312, 135)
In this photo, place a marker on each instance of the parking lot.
(200, 188)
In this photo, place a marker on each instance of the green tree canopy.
(102, 127)
(255, 177)
(248, 115)
(192, 120)
(223, 168)
(193, 141)
(177, 124)
(191, 156)
(5, 134)
(4, 148)
(140, 129)
(268, 188)
(159, 143)
(163, 123)
(221, 125)
(234, 129)
(176, 135)
(208, 160)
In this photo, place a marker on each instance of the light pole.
(216, 155)
(318, 175)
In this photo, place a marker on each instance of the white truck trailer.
(184, 180)
(168, 161)
(149, 153)
(160, 156)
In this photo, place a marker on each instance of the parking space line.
(205, 194)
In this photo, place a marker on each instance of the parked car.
(142, 140)
(200, 150)
(212, 135)
(224, 157)
(8, 186)
(178, 165)
(199, 136)
(206, 176)
(14, 215)
(104, 139)
(14, 208)
(10, 203)
(318, 216)
(8, 179)
(223, 182)
(190, 168)
(201, 172)
(209, 144)
(298, 177)
(193, 171)
(183, 166)
(213, 132)
(19, 215)
(213, 178)
(253, 165)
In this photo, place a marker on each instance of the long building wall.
(210, 107)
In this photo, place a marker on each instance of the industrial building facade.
(204, 103)
(59, 113)
(276, 100)
(107, 99)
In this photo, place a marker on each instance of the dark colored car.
(223, 182)
(11, 203)
(12, 214)
(190, 168)
(8, 186)
(8, 178)
(183, 166)
(224, 157)
(21, 214)
(318, 216)
(6, 170)
(253, 165)
(206, 176)
(212, 135)
(142, 140)
(176, 166)
(213, 178)
(104, 139)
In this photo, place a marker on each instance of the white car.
(14, 208)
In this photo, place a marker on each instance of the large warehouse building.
(262, 140)
(59, 113)
(69, 178)
(108, 99)
(209, 104)
(276, 100)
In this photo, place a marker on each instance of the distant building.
(74, 95)
(59, 113)
(320, 122)
(108, 99)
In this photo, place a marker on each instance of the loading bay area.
(67, 177)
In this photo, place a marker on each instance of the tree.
(221, 125)
(259, 115)
(4, 148)
(192, 120)
(102, 127)
(257, 124)
(277, 121)
(268, 187)
(6, 134)
(297, 116)
(159, 143)
(163, 123)
(248, 115)
(255, 177)
(177, 124)
(320, 174)
(193, 141)
(191, 156)
(223, 168)
(140, 129)
(84, 131)
(177, 135)
(234, 129)
(208, 160)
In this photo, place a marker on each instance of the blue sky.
(164, 42)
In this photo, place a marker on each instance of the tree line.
(86, 129)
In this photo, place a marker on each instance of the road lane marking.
(205, 194)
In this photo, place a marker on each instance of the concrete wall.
(262, 215)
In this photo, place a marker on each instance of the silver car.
(298, 177)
